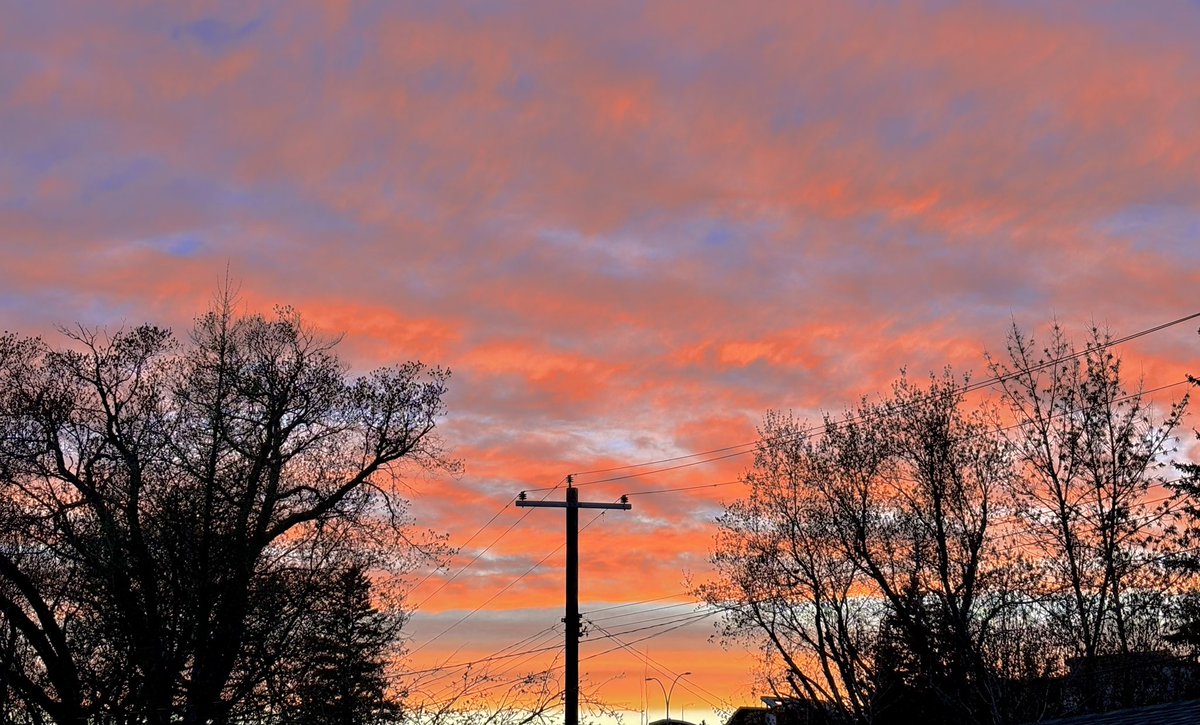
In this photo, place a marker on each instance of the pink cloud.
(628, 231)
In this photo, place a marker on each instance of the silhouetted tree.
(1186, 559)
(923, 559)
(156, 492)
(1091, 448)
(886, 516)
(345, 646)
(786, 581)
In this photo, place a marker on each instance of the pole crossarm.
(571, 663)
(575, 505)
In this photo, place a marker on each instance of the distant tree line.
(940, 554)
(188, 528)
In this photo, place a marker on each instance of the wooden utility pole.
(571, 620)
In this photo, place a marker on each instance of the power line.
(1001, 429)
(825, 427)
(661, 669)
(627, 476)
(537, 643)
(677, 489)
(552, 631)
(489, 679)
(525, 662)
(640, 639)
(662, 620)
(483, 660)
(641, 612)
(643, 601)
(685, 619)
(503, 589)
(482, 551)
(735, 450)
(472, 561)
(487, 601)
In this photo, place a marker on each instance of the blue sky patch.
(216, 34)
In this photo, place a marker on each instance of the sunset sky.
(628, 228)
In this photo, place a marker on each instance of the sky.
(628, 228)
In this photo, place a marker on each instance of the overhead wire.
(483, 551)
(1131, 396)
(812, 429)
(677, 489)
(663, 669)
(482, 660)
(736, 450)
(486, 602)
(673, 621)
(474, 559)
(1001, 429)
(622, 605)
(964, 388)
(489, 680)
(636, 641)
(641, 612)
(710, 456)
(503, 589)
(665, 621)
(534, 643)
(518, 664)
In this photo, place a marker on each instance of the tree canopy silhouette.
(170, 510)
(929, 558)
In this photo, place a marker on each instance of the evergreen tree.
(346, 645)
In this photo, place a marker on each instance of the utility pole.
(571, 620)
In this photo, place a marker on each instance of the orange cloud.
(629, 231)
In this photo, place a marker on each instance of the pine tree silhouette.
(348, 643)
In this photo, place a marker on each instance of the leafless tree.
(785, 580)
(1091, 448)
(877, 531)
(153, 488)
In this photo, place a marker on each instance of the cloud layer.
(628, 228)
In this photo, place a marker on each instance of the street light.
(667, 692)
(683, 710)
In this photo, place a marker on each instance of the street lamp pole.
(667, 692)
